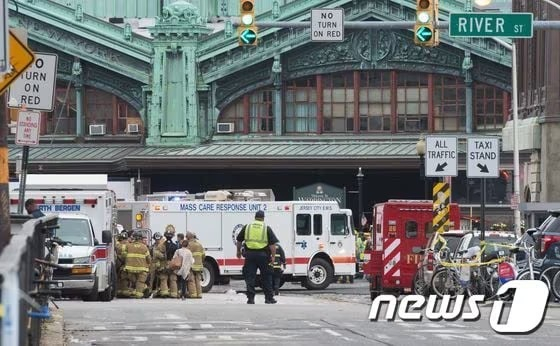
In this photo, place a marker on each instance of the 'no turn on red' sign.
(28, 126)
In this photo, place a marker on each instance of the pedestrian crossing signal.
(247, 30)
(425, 31)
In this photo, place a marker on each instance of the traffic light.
(247, 30)
(425, 32)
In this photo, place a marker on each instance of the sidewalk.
(52, 330)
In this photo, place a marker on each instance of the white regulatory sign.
(36, 85)
(483, 157)
(327, 25)
(28, 126)
(4, 33)
(441, 156)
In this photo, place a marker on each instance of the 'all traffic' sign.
(441, 156)
(483, 157)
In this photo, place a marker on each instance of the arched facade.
(369, 102)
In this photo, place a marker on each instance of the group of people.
(167, 269)
(258, 244)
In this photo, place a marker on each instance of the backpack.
(170, 248)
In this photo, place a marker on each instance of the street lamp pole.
(421, 151)
(360, 177)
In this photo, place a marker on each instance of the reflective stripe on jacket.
(137, 257)
(256, 237)
(198, 255)
(277, 260)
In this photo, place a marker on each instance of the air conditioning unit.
(132, 128)
(225, 128)
(96, 130)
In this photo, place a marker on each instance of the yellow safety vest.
(198, 255)
(256, 237)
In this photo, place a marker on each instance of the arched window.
(412, 102)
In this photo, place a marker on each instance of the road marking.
(200, 337)
(505, 337)
(464, 336)
(183, 326)
(169, 337)
(130, 327)
(311, 324)
(455, 325)
(225, 337)
(382, 336)
(206, 326)
(99, 328)
(332, 332)
(172, 317)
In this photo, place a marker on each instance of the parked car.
(548, 233)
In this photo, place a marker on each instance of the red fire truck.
(398, 227)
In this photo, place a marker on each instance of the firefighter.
(164, 252)
(150, 286)
(278, 267)
(137, 262)
(195, 278)
(122, 280)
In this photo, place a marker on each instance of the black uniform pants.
(258, 260)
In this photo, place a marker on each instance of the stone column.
(173, 113)
(467, 68)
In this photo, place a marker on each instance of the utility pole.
(4, 177)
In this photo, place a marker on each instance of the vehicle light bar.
(90, 201)
(69, 201)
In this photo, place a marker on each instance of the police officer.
(195, 277)
(164, 252)
(122, 280)
(259, 252)
(137, 262)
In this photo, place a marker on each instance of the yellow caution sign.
(20, 58)
(442, 196)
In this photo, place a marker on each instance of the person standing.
(32, 209)
(185, 270)
(165, 251)
(122, 280)
(260, 251)
(136, 266)
(278, 267)
(195, 278)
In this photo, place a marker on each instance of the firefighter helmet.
(157, 236)
(137, 235)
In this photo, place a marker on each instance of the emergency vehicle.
(398, 227)
(316, 236)
(84, 197)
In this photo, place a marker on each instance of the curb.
(52, 330)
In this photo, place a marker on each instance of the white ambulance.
(317, 237)
(79, 200)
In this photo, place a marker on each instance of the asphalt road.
(300, 318)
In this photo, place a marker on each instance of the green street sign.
(491, 25)
(424, 33)
(248, 36)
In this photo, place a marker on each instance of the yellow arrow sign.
(20, 58)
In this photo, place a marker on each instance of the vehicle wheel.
(208, 277)
(444, 282)
(526, 275)
(109, 293)
(94, 295)
(419, 286)
(555, 286)
(320, 275)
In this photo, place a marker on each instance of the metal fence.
(17, 276)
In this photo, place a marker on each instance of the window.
(62, 120)
(449, 103)
(338, 103)
(301, 105)
(338, 224)
(412, 102)
(233, 113)
(428, 229)
(303, 224)
(375, 101)
(261, 111)
(411, 229)
(317, 224)
(489, 108)
(127, 115)
(76, 231)
(99, 109)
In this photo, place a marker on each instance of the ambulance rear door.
(341, 240)
(309, 225)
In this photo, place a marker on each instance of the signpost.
(474, 24)
(483, 157)
(327, 25)
(441, 156)
(4, 43)
(35, 88)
